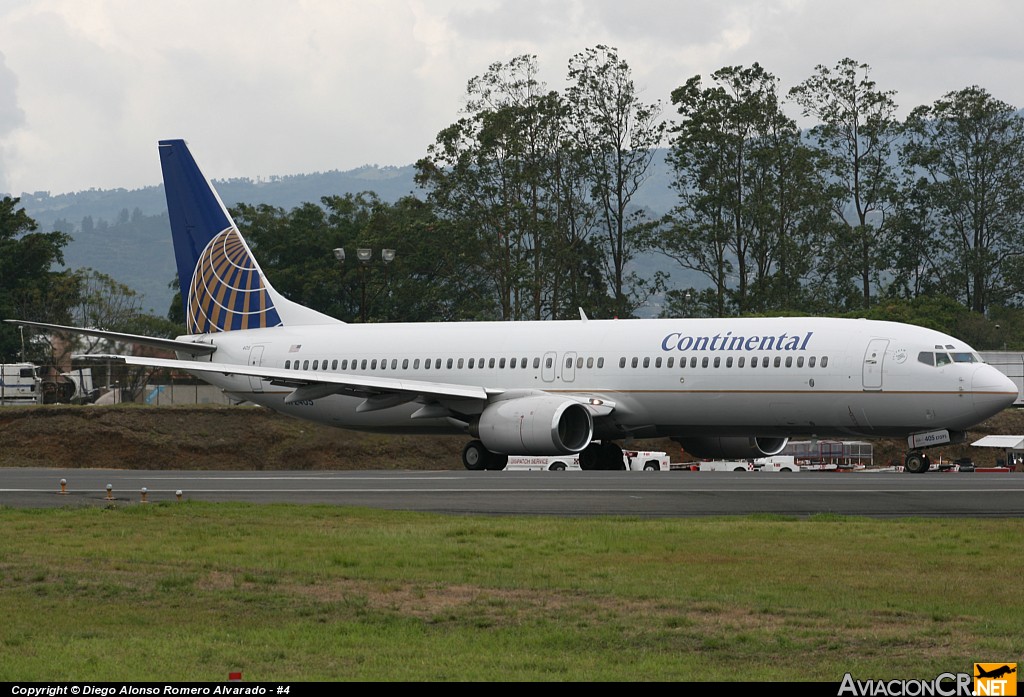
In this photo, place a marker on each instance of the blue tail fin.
(222, 286)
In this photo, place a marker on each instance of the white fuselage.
(672, 377)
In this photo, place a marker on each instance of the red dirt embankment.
(238, 438)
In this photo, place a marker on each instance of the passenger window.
(657, 362)
(799, 361)
(462, 362)
(470, 363)
(647, 361)
(718, 362)
(590, 363)
(547, 362)
(334, 364)
(704, 362)
(693, 362)
(739, 363)
(824, 361)
(373, 364)
(315, 364)
(671, 361)
(622, 362)
(449, 364)
(305, 365)
(536, 363)
(728, 362)
(394, 364)
(405, 364)
(789, 361)
(490, 363)
(579, 362)
(287, 365)
(363, 364)
(778, 361)
(416, 364)
(568, 362)
(810, 362)
(634, 363)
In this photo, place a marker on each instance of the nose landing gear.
(916, 463)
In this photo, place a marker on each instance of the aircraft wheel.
(590, 457)
(474, 455)
(495, 461)
(917, 463)
(612, 457)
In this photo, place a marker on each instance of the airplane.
(995, 672)
(722, 388)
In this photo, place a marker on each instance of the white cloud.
(264, 87)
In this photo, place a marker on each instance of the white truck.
(777, 463)
(19, 383)
(634, 460)
(725, 466)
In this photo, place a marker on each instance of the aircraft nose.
(992, 390)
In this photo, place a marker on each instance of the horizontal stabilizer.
(195, 349)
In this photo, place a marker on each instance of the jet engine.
(732, 447)
(540, 425)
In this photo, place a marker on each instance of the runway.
(645, 494)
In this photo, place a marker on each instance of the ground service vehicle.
(635, 460)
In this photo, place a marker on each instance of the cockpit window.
(964, 358)
(926, 357)
(942, 359)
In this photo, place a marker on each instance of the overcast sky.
(262, 87)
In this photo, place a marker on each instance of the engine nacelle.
(732, 447)
(541, 425)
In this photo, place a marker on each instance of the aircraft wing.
(310, 384)
(378, 392)
(196, 349)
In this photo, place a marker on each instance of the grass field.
(193, 591)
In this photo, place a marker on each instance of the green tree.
(507, 174)
(618, 135)
(426, 280)
(966, 154)
(29, 287)
(750, 210)
(857, 133)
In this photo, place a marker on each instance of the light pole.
(365, 256)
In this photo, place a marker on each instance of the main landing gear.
(602, 456)
(916, 463)
(476, 457)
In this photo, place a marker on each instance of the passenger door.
(874, 360)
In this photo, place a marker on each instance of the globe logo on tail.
(227, 291)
